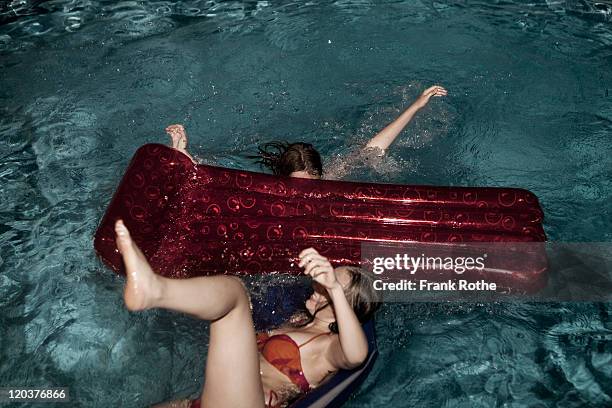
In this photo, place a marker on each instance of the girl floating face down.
(248, 369)
(302, 159)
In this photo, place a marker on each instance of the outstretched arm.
(386, 136)
(352, 349)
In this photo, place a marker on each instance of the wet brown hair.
(284, 158)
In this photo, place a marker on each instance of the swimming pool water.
(83, 83)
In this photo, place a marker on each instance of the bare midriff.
(277, 387)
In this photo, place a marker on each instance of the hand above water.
(318, 268)
(178, 135)
(428, 93)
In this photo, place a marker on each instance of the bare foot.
(143, 287)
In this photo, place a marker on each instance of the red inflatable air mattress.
(194, 220)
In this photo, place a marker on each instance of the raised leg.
(232, 368)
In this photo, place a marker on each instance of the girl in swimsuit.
(248, 370)
(302, 160)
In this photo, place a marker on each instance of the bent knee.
(239, 291)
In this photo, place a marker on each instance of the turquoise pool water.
(84, 83)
